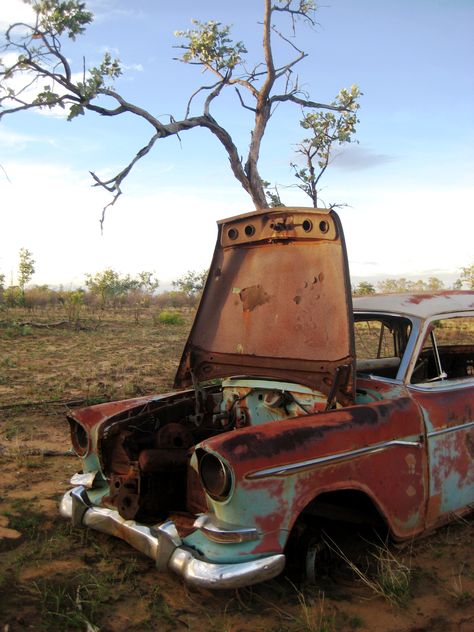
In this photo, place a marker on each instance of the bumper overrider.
(163, 544)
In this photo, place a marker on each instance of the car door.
(442, 383)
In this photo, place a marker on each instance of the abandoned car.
(291, 404)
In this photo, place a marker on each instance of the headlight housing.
(216, 476)
(79, 437)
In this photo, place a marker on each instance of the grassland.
(54, 577)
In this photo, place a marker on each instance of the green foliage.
(110, 286)
(192, 283)
(272, 194)
(364, 289)
(144, 281)
(12, 296)
(173, 299)
(39, 52)
(56, 17)
(169, 318)
(397, 286)
(209, 44)
(108, 69)
(26, 268)
(73, 304)
(467, 277)
(327, 129)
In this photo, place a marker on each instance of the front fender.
(281, 467)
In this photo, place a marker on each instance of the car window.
(447, 352)
(373, 339)
(380, 343)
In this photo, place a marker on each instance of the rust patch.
(253, 296)
(470, 443)
(416, 299)
(410, 460)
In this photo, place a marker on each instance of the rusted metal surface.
(211, 481)
(394, 476)
(418, 305)
(277, 303)
(449, 420)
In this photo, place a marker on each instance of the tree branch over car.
(42, 76)
(327, 130)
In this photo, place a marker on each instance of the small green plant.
(27, 522)
(391, 578)
(73, 304)
(10, 430)
(313, 617)
(16, 330)
(458, 592)
(168, 318)
(347, 621)
(62, 607)
(159, 609)
(7, 362)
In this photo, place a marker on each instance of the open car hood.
(276, 304)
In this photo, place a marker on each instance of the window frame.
(446, 384)
(413, 337)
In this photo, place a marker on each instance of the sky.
(406, 189)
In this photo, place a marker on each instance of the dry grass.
(113, 357)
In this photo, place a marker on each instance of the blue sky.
(408, 184)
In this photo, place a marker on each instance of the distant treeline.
(106, 289)
(110, 289)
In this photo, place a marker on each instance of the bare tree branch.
(305, 103)
(47, 74)
(247, 107)
(195, 93)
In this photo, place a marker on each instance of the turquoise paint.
(225, 553)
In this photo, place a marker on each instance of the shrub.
(168, 318)
(172, 299)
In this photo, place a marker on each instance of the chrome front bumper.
(163, 544)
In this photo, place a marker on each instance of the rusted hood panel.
(277, 303)
(93, 416)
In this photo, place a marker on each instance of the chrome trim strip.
(206, 575)
(219, 531)
(323, 460)
(436, 433)
(163, 544)
(449, 384)
(86, 479)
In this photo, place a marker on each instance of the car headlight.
(79, 438)
(216, 476)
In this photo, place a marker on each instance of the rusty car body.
(291, 405)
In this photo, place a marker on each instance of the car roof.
(417, 305)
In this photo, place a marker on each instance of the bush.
(172, 299)
(168, 318)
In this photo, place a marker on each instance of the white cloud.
(410, 233)
(52, 210)
(109, 49)
(105, 10)
(136, 67)
(16, 140)
(356, 157)
(15, 11)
